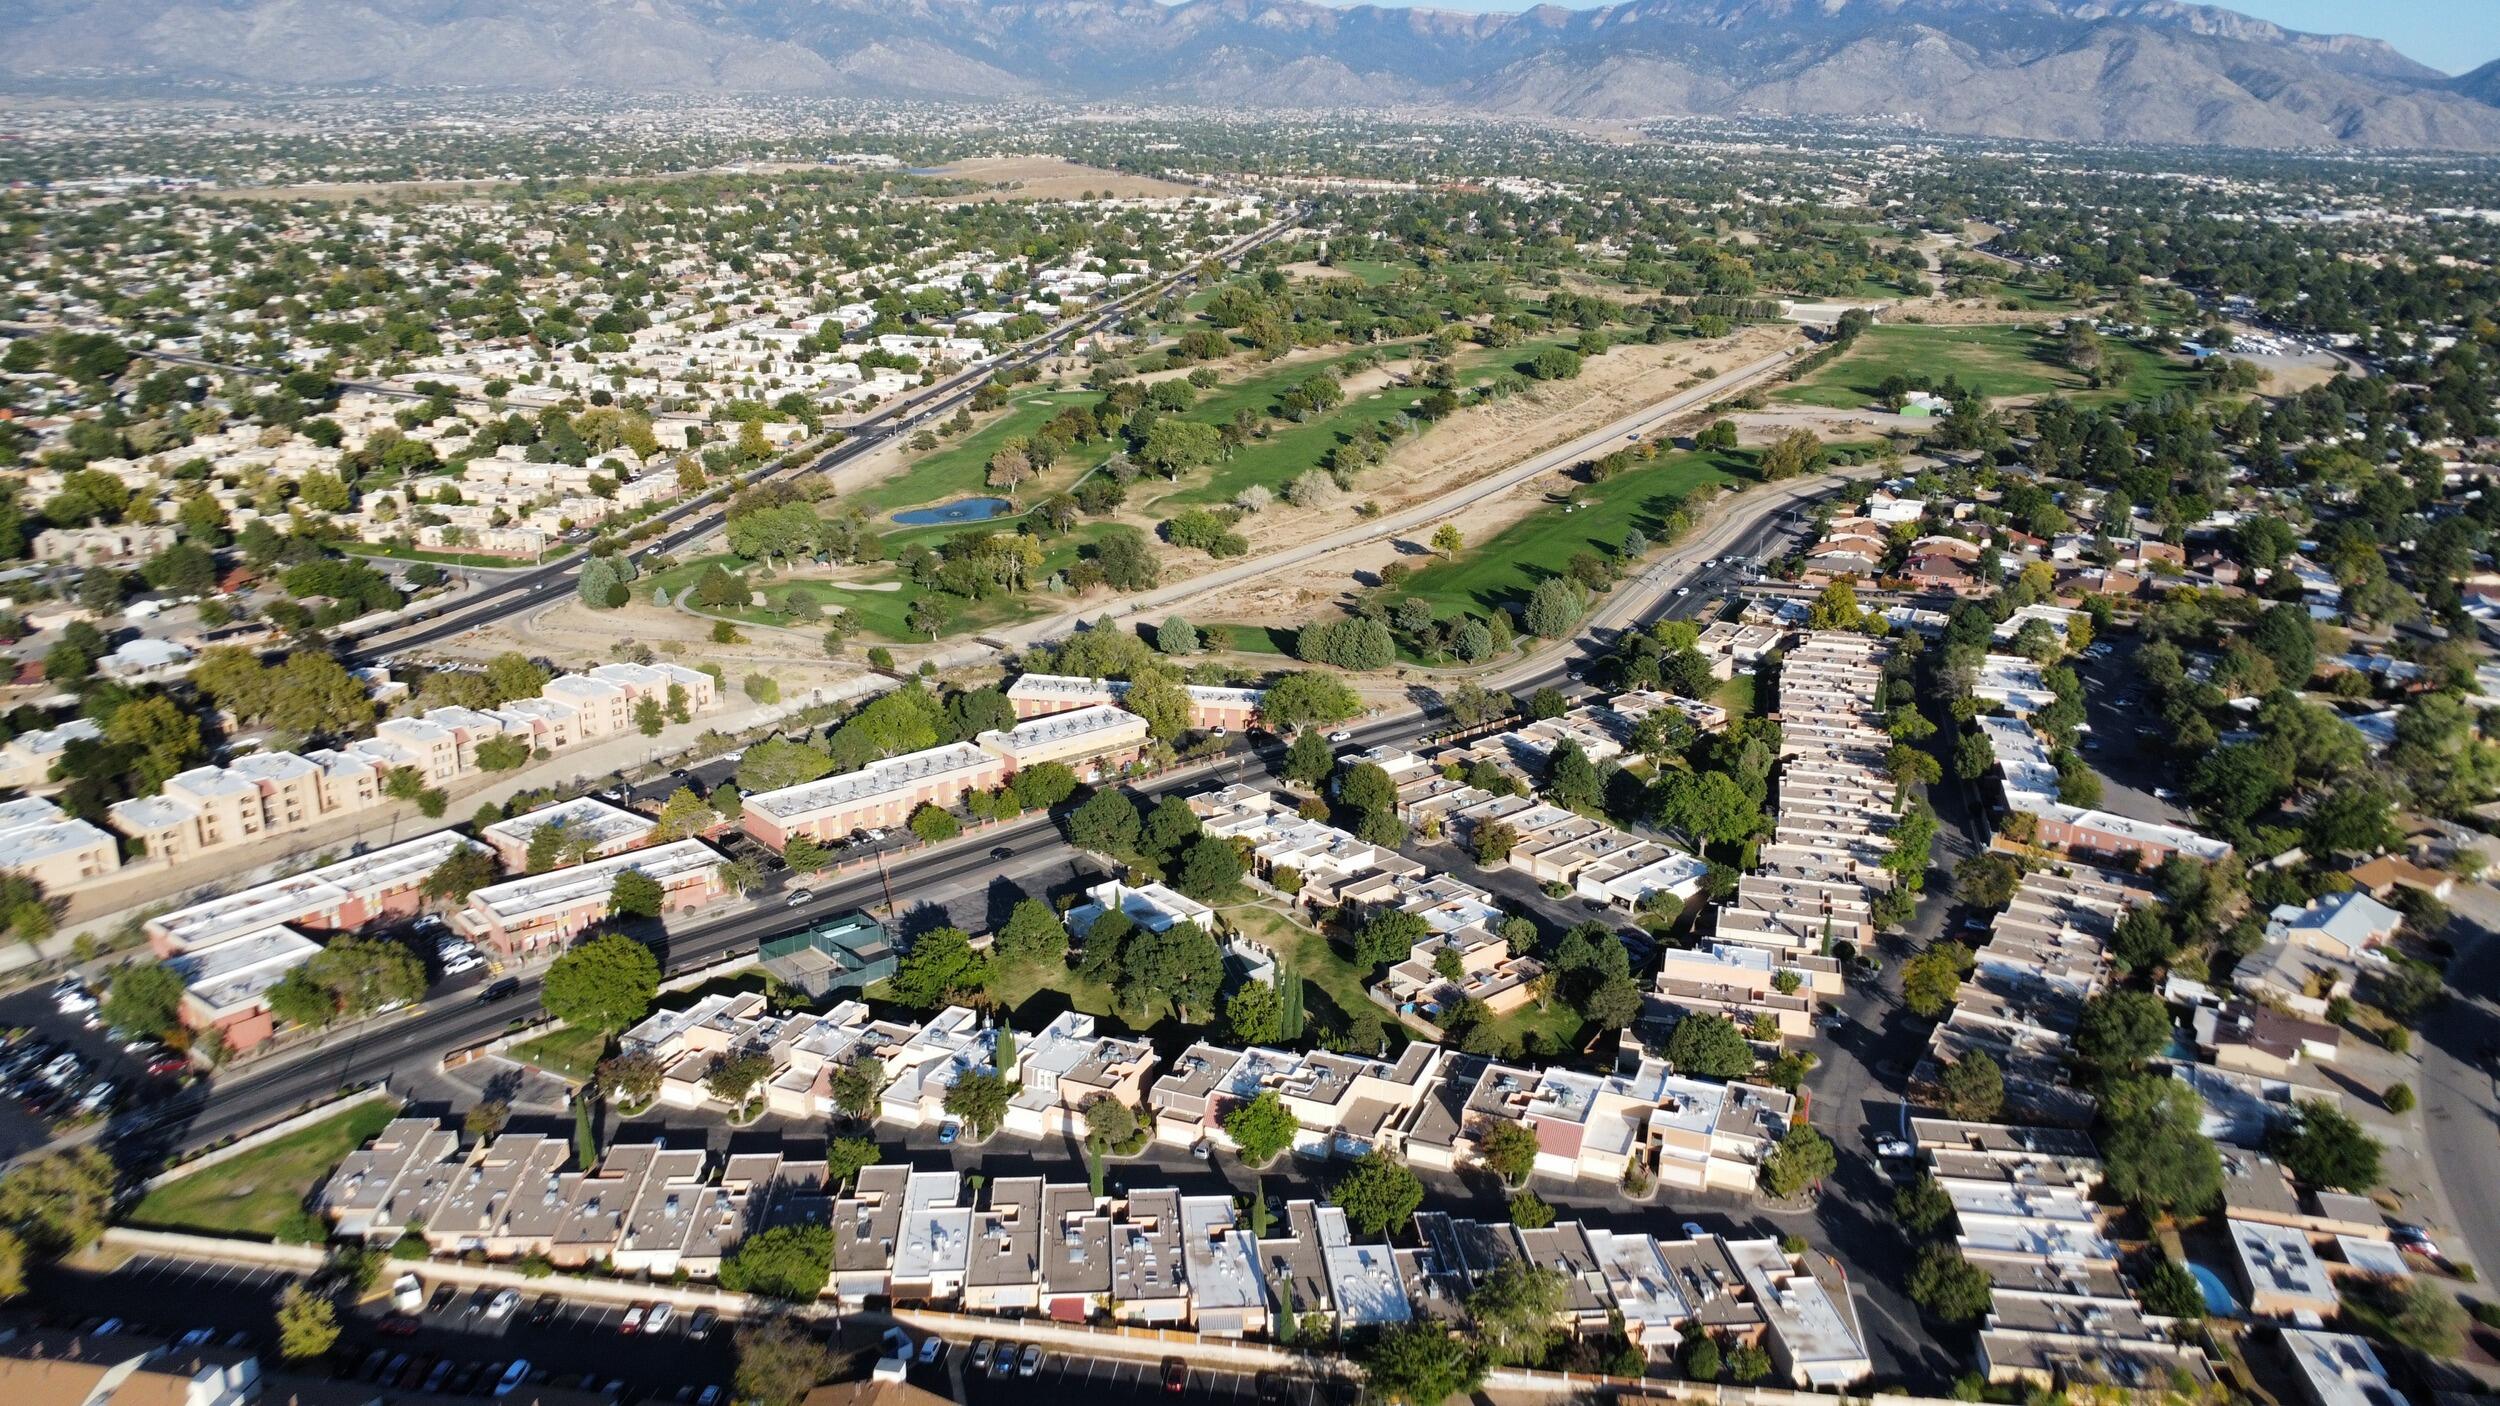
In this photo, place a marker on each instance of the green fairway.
(1503, 569)
(961, 469)
(1995, 361)
(250, 1194)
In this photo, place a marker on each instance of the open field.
(1333, 987)
(1998, 361)
(1050, 178)
(572, 1051)
(251, 1194)
(961, 469)
(1501, 570)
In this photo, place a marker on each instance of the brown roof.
(873, 1393)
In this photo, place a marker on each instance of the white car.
(1894, 1147)
(502, 1306)
(1341, 735)
(1683, 590)
(658, 1318)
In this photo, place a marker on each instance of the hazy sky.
(2453, 35)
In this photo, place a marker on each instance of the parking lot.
(1066, 1378)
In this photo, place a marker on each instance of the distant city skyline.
(2452, 36)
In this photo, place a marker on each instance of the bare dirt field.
(572, 634)
(1052, 178)
(1471, 445)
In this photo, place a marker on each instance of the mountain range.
(2158, 71)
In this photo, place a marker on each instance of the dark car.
(543, 1312)
(1175, 1375)
(398, 1325)
(443, 1295)
(499, 990)
(1271, 1387)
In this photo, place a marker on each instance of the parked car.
(657, 1320)
(1175, 1375)
(932, 1348)
(512, 1377)
(1894, 1147)
(501, 1306)
(981, 1350)
(699, 1327)
(443, 1295)
(1032, 1362)
(1693, 1230)
(633, 1320)
(1004, 1364)
(948, 1131)
(543, 1312)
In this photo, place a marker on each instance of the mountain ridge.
(2162, 71)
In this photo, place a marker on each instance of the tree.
(1261, 1128)
(632, 1078)
(980, 1099)
(635, 894)
(1949, 1287)
(845, 1156)
(2156, 1158)
(1508, 1150)
(1379, 1194)
(1747, 1363)
(940, 963)
(1109, 1123)
(59, 1202)
(1421, 1364)
(308, 1324)
(2121, 1028)
(1176, 636)
(1796, 452)
(1106, 823)
(12, 1265)
(1389, 937)
(1447, 540)
(1702, 1360)
(484, 1120)
(1922, 1206)
(1181, 964)
(733, 1078)
(1529, 1211)
(1802, 1158)
(606, 983)
(157, 738)
(1309, 760)
(2324, 1147)
(857, 1087)
(934, 825)
(1513, 1310)
(791, 1262)
(2168, 1290)
(1555, 607)
(1254, 1015)
(779, 1362)
(1033, 933)
(1210, 871)
(1307, 698)
(462, 872)
(1972, 1087)
(1709, 1046)
(648, 717)
(1987, 880)
(1492, 842)
(1933, 978)
(145, 999)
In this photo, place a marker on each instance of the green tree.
(2156, 1157)
(1949, 1287)
(980, 1099)
(1922, 1206)
(940, 964)
(145, 999)
(464, 871)
(1261, 1128)
(1555, 607)
(935, 825)
(1529, 1211)
(1709, 1046)
(157, 738)
(1513, 1311)
(1379, 1194)
(2167, 1288)
(1211, 870)
(1106, 823)
(857, 1087)
(792, 1262)
(308, 1324)
(2121, 1029)
(59, 1202)
(635, 894)
(1420, 1364)
(1309, 760)
(606, 983)
(1509, 1150)
(1972, 1087)
(1254, 1015)
(2326, 1147)
(1802, 1158)
(1933, 978)
(1307, 698)
(1033, 933)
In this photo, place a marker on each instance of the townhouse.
(1346, 1104)
(2315, 953)
(2061, 1312)
(2028, 785)
(1068, 1068)
(1752, 986)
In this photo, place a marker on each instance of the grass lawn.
(487, 560)
(572, 1051)
(1560, 1028)
(1504, 568)
(1737, 696)
(1995, 361)
(961, 469)
(251, 1194)
(1329, 977)
(1259, 639)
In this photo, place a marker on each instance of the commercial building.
(881, 795)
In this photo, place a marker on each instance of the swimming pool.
(961, 510)
(2218, 1300)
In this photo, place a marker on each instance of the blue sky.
(2451, 35)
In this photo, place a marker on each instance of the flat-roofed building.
(1228, 1294)
(538, 910)
(587, 828)
(881, 795)
(2337, 1369)
(1093, 742)
(39, 842)
(1066, 1068)
(340, 897)
(1210, 706)
(226, 985)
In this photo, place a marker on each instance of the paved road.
(2460, 1095)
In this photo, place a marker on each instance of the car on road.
(1693, 1230)
(1032, 1362)
(1175, 1375)
(494, 991)
(1683, 590)
(1001, 852)
(1341, 735)
(799, 896)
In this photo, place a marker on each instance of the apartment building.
(881, 795)
(537, 911)
(586, 828)
(39, 842)
(1346, 1104)
(1747, 985)
(1210, 707)
(2027, 783)
(1068, 1068)
(1478, 966)
(1093, 742)
(210, 809)
(225, 986)
(27, 759)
